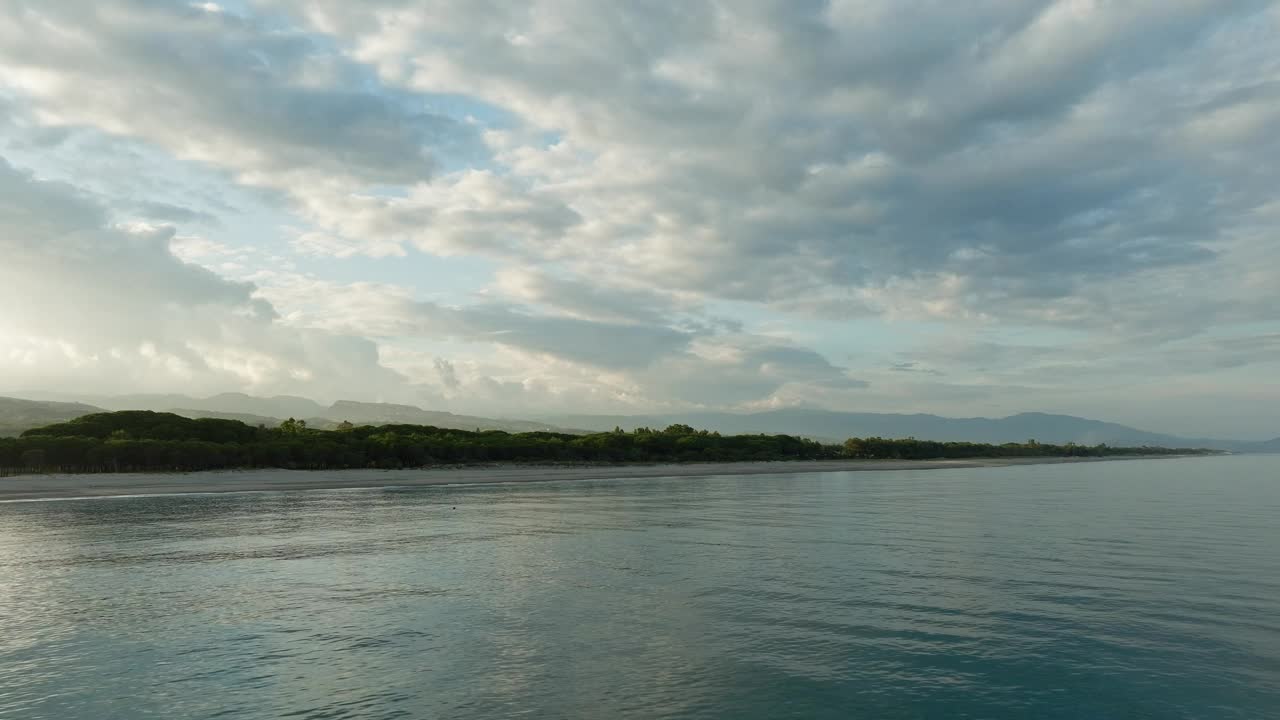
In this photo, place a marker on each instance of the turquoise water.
(1137, 589)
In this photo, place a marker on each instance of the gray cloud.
(448, 374)
(1030, 151)
(744, 371)
(913, 367)
(233, 91)
(793, 150)
(605, 345)
(166, 212)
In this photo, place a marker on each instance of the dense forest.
(145, 441)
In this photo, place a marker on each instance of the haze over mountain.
(822, 425)
(836, 426)
(18, 414)
(30, 412)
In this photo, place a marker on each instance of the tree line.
(145, 441)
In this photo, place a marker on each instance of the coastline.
(76, 486)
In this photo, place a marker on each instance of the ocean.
(1127, 589)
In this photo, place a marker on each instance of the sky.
(543, 206)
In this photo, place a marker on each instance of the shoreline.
(87, 486)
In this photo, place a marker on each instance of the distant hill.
(279, 406)
(836, 426)
(17, 415)
(246, 418)
(270, 411)
(358, 413)
(377, 413)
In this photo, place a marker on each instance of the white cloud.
(470, 211)
(89, 305)
(629, 364)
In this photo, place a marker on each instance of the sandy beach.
(48, 487)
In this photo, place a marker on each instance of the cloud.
(54, 236)
(620, 364)
(166, 212)
(596, 300)
(913, 367)
(91, 305)
(740, 371)
(599, 344)
(233, 91)
(1022, 154)
(812, 154)
(1019, 197)
(390, 311)
(448, 374)
(467, 212)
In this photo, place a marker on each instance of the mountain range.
(38, 409)
(18, 415)
(831, 426)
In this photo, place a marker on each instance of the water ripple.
(1106, 590)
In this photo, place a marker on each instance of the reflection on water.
(1127, 590)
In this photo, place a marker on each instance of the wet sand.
(44, 487)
